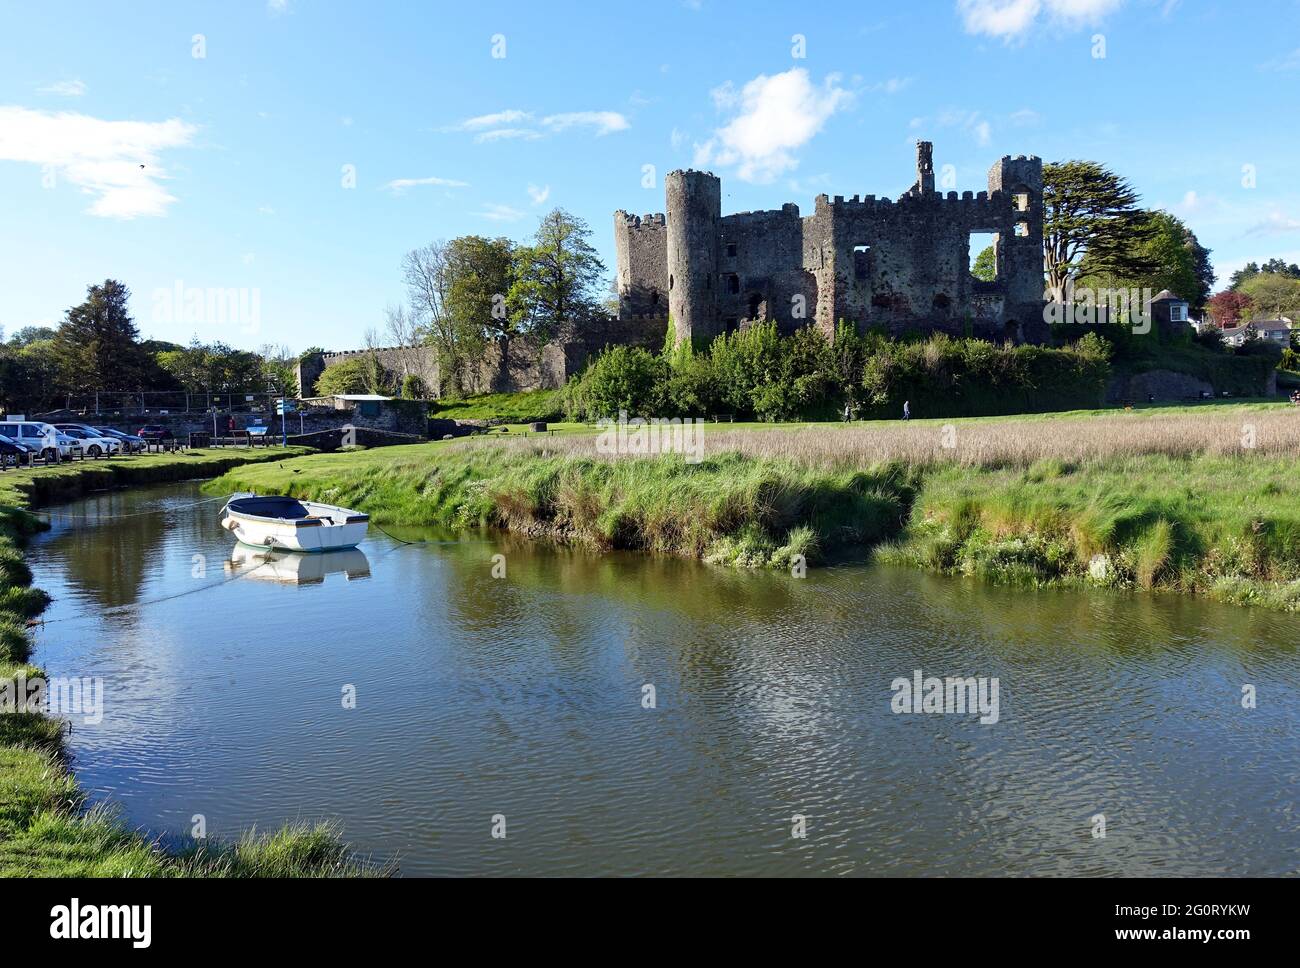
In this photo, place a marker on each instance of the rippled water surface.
(523, 697)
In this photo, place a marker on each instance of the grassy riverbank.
(44, 830)
(1193, 499)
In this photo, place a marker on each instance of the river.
(521, 702)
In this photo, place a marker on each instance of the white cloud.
(72, 88)
(501, 125)
(502, 134)
(1275, 224)
(891, 86)
(1025, 117)
(277, 6)
(539, 195)
(605, 122)
(115, 161)
(491, 120)
(399, 185)
(1011, 19)
(777, 114)
(501, 213)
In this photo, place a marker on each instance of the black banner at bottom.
(332, 918)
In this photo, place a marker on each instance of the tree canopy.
(1092, 224)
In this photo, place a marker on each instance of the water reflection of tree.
(109, 559)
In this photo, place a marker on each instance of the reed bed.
(1011, 442)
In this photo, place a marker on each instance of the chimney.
(925, 167)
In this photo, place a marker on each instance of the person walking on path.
(907, 410)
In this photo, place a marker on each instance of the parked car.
(16, 453)
(154, 432)
(48, 441)
(130, 442)
(69, 446)
(93, 442)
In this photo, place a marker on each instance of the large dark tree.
(1092, 224)
(98, 347)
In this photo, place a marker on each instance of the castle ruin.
(876, 262)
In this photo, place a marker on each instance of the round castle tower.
(694, 208)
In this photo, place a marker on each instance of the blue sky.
(244, 184)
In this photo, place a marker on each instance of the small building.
(1169, 313)
(1276, 331)
(365, 404)
(373, 410)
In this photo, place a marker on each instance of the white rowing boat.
(287, 524)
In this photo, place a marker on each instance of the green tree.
(557, 277)
(350, 376)
(98, 346)
(30, 334)
(29, 377)
(985, 266)
(1178, 261)
(481, 273)
(1091, 224)
(1273, 294)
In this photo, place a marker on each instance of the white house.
(1274, 330)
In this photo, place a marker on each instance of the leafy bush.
(756, 373)
(621, 378)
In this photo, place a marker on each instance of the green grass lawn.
(44, 830)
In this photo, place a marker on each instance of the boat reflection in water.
(297, 569)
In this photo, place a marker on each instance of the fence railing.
(109, 402)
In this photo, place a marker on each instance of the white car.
(94, 443)
(52, 444)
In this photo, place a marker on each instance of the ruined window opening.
(1022, 229)
(861, 261)
(755, 306)
(983, 256)
(731, 324)
(670, 282)
(733, 284)
(941, 301)
(731, 250)
(1022, 201)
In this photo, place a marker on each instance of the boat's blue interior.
(270, 507)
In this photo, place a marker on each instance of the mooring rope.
(114, 517)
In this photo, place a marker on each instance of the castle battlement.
(637, 221)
